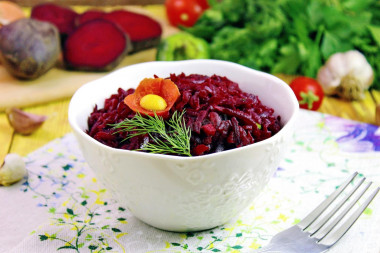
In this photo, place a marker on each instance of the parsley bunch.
(291, 36)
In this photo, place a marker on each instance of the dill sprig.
(170, 137)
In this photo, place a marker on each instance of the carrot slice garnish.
(164, 88)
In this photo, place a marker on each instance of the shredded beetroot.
(220, 115)
(96, 45)
(62, 17)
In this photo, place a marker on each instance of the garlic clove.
(12, 170)
(337, 65)
(356, 67)
(327, 80)
(351, 88)
(330, 75)
(23, 122)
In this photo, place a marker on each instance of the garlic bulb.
(347, 74)
(13, 169)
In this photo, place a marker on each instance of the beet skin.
(29, 48)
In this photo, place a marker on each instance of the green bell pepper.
(182, 46)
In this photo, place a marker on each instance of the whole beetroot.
(29, 48)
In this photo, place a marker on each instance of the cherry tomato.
(308, 92)
(185, 12)
(204, 4)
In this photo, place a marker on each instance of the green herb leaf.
(375, 32)
(169, 137)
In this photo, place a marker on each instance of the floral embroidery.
(85, 218)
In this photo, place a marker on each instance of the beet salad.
(185, 115)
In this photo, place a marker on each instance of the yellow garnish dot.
(153, 102)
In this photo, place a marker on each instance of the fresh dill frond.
(170, 137)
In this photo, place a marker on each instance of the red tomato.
(204, 4)
(308, 92)
(185, 12)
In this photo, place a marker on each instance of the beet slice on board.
(143, 31)
(89, 15)
(62, 17)
(97, 45)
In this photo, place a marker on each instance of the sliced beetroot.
(89, 15)
(143, 31)
(97, 45)
(62, 17)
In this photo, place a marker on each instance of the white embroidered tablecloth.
(60, 205)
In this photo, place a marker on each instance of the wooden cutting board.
(59, 83)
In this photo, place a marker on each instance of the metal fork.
(318, 231)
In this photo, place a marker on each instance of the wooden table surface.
(57, 123)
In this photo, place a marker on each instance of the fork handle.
(269, 249)
(276, 248)
(292, 240)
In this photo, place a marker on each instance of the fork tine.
(325, 204)
(315, 226)
(332, 238)
(322, 233)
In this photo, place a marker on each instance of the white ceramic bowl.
(185, 193)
